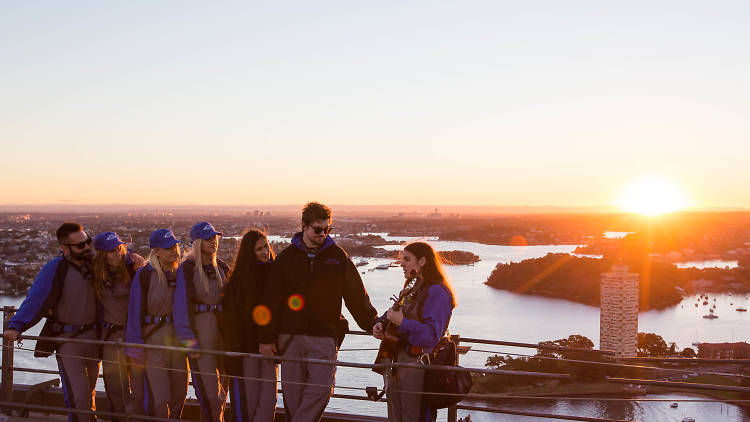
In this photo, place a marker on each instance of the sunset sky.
(360, 102)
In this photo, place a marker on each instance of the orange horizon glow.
(652, 196)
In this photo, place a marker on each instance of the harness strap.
(202, 307)
(159, 320)
(59, 328)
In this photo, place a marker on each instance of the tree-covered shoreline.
(578, 279)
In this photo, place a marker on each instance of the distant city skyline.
(425, 103)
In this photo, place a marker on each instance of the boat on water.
(705, 302)
(688, 419)
(362, 262)
(382, 267)
(674, 405)
(710, 316)
(741, 309)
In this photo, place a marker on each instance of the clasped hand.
(396, 317)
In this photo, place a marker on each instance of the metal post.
(452, 411)
(7, 375)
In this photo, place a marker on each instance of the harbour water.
(490, 313)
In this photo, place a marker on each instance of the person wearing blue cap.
(197, 305)
(150, 322)
(64, 293)
(113, 268)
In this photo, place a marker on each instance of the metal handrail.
(291, 359)
(8, 370)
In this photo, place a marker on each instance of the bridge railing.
(8, 369)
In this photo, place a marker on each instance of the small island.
(577, 279)
(458, 257)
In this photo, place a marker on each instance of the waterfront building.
(618, 314)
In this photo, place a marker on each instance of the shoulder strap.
(145, 279)
(130, 268)
(58, 283)
(224, 268)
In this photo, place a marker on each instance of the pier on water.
(44, 401)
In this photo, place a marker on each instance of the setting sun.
(652, 196)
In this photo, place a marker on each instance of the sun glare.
(652, 196)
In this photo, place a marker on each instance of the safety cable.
(620, 365)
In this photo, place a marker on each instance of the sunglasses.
(80, 245)
(319, 230)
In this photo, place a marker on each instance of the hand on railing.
(10, 335)
(268, 349)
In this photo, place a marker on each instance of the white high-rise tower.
(618, 316)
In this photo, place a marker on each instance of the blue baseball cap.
(203, 230)
(162, 238)
(107, 241)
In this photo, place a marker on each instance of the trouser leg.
(241, 391)
(157, 383)
(79, 368)
(208, 385)
(115, 380)
(392, 396)
(292, 375)
(267, 388)
(258, 390)
(319, 378)
(136, 376)
(178, 381)
(404, 388)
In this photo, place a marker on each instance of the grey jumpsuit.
(123, 382)
(78, 363)
(196, 318)
(166, 379)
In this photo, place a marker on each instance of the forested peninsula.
(577, 279)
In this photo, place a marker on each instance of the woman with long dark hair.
(428, 303)
(113, 268)
(150, 322)
(253, 393)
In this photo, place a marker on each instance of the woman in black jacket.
(253, 397)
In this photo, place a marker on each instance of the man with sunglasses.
(308, 281)
(64, 293)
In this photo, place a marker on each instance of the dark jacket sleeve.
(42, 295)
(273, 299)
(182, 309)
(356, 298)
(133, 328)
(232, 316)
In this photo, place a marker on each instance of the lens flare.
(262, 315)
(296, 302)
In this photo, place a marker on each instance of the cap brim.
(108, 249)
(168, 244)
(212, 234)
(173, 242)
